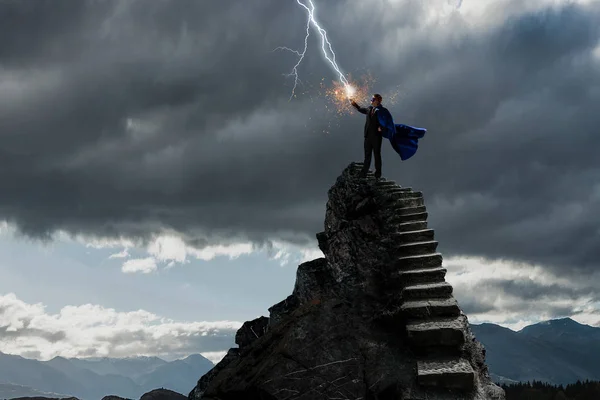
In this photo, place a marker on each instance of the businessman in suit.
(373, 135)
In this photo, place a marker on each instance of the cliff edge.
(373, 319)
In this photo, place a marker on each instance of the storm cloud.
(127, 118)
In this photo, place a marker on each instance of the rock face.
(373, 319)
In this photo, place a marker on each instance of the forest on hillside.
(587, 390)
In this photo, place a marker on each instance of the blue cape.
(404, 138)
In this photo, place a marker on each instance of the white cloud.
(596, 52)
(292, 254)
(168, 248)
(96, 243)
(485, 13)
(232, 251)
(7, 229)
(92, 330)
(143, 265)
(173, 248)
(214, 356)
(121, 254)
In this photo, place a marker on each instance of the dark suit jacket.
(372, 122)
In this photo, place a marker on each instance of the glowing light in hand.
(350, 91)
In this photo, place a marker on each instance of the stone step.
(395, 190)
(397, 212)
(417, 248)
(385, 184)
(423, 235)
(436, 290)
(431, 260)
(392, 199)
(411, 226)
(404, 194)
(456, 373)
(422, 276)
(431, 308)
(439, 332)
(359, 169)
(398, 280)
(407, 202)
(408, 217)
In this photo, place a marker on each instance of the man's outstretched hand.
(353, 102)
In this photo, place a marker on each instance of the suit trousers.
(372, 146)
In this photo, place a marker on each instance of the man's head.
(376, 100)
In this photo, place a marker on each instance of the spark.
(338, 93)
(330, 56)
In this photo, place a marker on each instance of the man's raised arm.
(359, 108)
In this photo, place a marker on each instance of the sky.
(160, 185)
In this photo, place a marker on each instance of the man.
(373, 134)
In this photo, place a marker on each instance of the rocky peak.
(162, 394)
(373, 319)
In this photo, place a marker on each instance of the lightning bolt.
(325, 46)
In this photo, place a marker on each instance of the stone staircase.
(435, 325)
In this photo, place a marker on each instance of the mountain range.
(94, 378)
(559, 351)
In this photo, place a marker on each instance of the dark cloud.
(122, 118)
(530, 290)
(471, 305)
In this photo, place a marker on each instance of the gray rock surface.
(250, 331)
(373, 319)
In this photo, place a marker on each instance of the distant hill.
(182, 374)
(163, 394)
(559, 351)
(93, 379)
(11, 391)
(131, 367)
